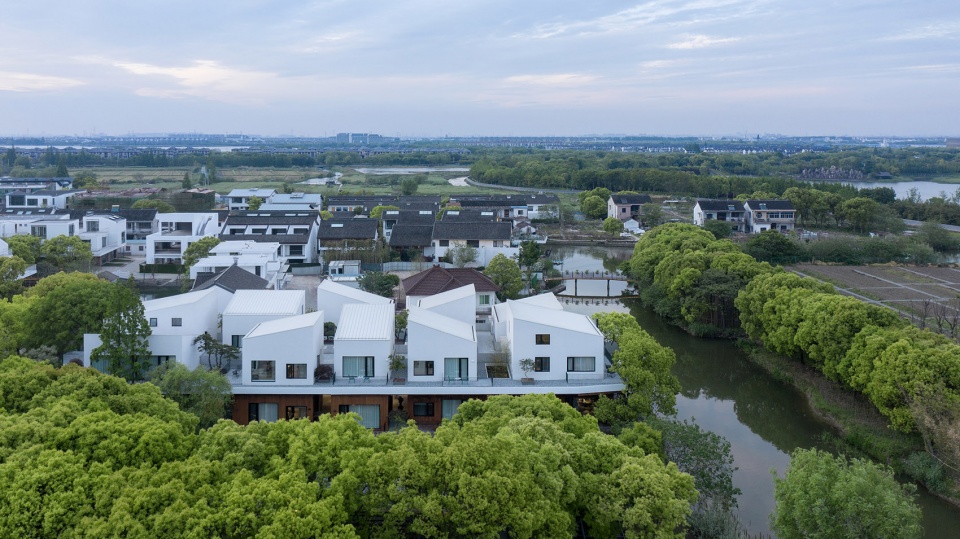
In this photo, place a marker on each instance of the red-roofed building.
(437, 280)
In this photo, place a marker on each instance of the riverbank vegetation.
(911, 376)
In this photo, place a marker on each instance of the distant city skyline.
(420, 68)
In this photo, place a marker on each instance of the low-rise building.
(251, 307)
(730, 211)
(239, 199)
(626, 206)
(333, 296)
(763, 215)
(176, 231)
(295, 231)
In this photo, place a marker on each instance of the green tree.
(377, 211)
(254, 203)
(379, 283)
(937, 237)
(720, 229)
(11, 270)
(67, 253)
(25, 246)
(196, 251)
(124, 334)
(186, 183)
(153, 204)
(826, 496)
(506, 274)
(462, 254)
(776, 248)
(62, 167)
(612, 226)
(325, 215)
(204, 393)
(860, 212)
(594, 207)
(218, 354)
(408, 186)
(530, 254)
(11, 156)
(652, 215)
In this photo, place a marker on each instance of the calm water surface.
(763, 419)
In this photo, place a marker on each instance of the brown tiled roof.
(436, 280)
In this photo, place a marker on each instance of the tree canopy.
(379, 283)
(154, 204)
(506, 274)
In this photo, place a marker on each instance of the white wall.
(563, 344)
(428, 344)
(299, 345)
(379, 349)
(462, 309)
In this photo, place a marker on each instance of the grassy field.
(119, 178)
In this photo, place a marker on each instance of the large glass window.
(369, 413)
(541, 364)
(296, 371)
(263, 411)
(581, 364)
(484, 299)
(263, 371)
(296, 412)
(448, 407)
(358, 366)
(456, 368)
(423, 409)
(236, 341)
(423, 368)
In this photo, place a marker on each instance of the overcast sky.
(497, 67)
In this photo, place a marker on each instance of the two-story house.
(295, 231)
(239, 199)
(488, 238)
(626, 206)
(176, 231)
(730, 211)
(763, 215)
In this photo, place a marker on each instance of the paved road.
(913, 224)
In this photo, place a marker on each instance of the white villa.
(176, 232)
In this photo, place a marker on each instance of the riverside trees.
(83, 450)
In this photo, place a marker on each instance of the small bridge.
(589, 275)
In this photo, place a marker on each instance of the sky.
(416, 68)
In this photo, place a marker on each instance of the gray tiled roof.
(411, 235)
(476, 230)
(720, 205)
(230, 279)
(348, 229)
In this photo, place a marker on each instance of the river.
(763, 419)
(926, 190)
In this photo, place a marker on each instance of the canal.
(762, 418)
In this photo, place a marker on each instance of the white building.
(251, 307)
(260, 259)
(174, 323)
(176, 232)
(106, 233)
(283, 351)
(239, 199)
(45, 198)
(364, 342)
(333, 296)
(730, 211)
(763, 215)
(563, 345)
(440, 348)
(459, 304)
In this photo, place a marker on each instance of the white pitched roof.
(273, 302)
(527, 312)
(176, 301)
(446, 297)
(442, 323)
(285, 324)
(548, 301)
(355, 294)
(360, 321)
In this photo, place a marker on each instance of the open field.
(929, 296)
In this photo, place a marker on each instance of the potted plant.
(398, 364)
(526, 365)
(323, 373)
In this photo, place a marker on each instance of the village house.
(730, 211)
(626, 206)
(295, 231)
(176, 231)
(239, 199)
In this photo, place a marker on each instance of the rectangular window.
(39, 231)
(236, 341)
(423, 368)
(263, 411)
(456, 368)
(296, 371)
(581, 364)
(444, 243)
(543, 338)
(448, 407)
(485, 299)
(473, 243)
(497, 243)
(369, 413)
(358, 366)
(296, 250)
(541, 364)
(93, 226)
(153, 322)
(176, 322)
(423, 409)
(296, 412)
(263, 371)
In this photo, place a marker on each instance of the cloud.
(949, 30)
(701, 42)
(558, 79)
(30, 82)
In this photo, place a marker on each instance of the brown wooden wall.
(241, 403)
(381, 400)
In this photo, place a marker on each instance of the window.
(581, 364)
(473, 243)
(263, 411)
(161, 360)
(423, 368)
(358, 366)
(448, 407)
(423, 409)
(93, 226)
(369, 413)
(497, 243)
(176, 322)
(623, 210)
(39, 231)
(456, 368)
(236, 341)
(296, 250)
(296, 371)
(541, 364)
(259, 231)
(153, 322)
(444, 243)
(263, 371)
(278, 231)
(543, 338)
(32, 202)
(485, 299)
(296, 412)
